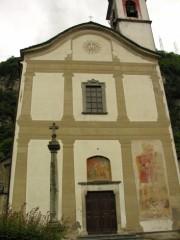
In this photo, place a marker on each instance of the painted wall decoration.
(150, 180)
(98, 169)
(91, 47)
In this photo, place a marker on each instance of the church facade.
(117, 166)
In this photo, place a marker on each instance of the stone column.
(53, 148)
(131, 200)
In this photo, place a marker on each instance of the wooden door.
(101, 212)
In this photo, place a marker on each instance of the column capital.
(118, 75)
(68, 143)
(29, 74)
(68, 74)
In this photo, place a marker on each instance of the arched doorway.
(100, 205)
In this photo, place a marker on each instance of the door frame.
(111, 186)
(103, 203)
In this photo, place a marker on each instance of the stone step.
(111, 237)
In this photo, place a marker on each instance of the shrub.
(30, 226)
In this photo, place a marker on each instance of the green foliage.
(5, 147)
(30, 226)
(9, 75)
(177, 142)
(170, 69)
(7, 118)
(9, 72)
(7, 106)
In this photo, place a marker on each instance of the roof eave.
(87, 25)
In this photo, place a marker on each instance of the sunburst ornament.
(91, 47)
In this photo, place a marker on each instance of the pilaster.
(121, 105)
(162, 116)
(173, 182)
(19, 189)
(68, 181)
(27, 96)
(131, 201)
(68, 97)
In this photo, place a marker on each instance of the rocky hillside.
(9, 84)
(170, 69)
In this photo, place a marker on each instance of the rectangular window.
(94, 97)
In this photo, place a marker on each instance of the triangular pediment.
(89, 42)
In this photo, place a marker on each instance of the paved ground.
(175, 235)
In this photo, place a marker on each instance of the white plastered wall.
(139, 98)
(110, 93)
(139, 33)
(126, 56)
(157, 225)
(57, 53)
(102, 48)
(83, 149)
(47, 96)
(144, 11)
(38, 176)
(120, 10)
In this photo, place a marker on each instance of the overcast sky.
(24, 23)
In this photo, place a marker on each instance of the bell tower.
(131, 19)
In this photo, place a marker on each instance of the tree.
(170, 69)
(9, 75)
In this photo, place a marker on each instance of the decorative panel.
(98, 169)
(140, 98)
(148, 160)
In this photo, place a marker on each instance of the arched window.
(98, 169)
(131, 9)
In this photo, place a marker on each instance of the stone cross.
(90, 18)
(53, 128)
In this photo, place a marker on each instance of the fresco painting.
(98, 169)
(151, 184)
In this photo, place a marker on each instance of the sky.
(24, 23)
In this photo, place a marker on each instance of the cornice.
(92, 26)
